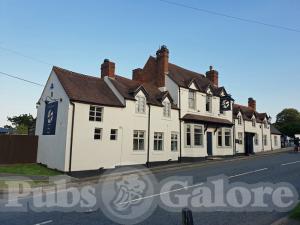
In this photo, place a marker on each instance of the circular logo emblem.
(127, 197)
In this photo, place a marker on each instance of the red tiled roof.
(86, 89)
(248, 112)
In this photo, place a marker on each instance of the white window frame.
(138, 138)
(98, 132)
(158, 138)
(198, 133)
(256, 139)
(230, 137)
(114, 135)
(192, 99)
(167, 109)
(140, 106)
(96, 113)
(240, 137)
(253, 122)
(220, 134)
(239, 120)
(265, 137)
(188, 126)
(275, 141)
(174, 139)
(208, 102)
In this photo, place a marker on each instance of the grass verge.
(28, 169)
(295, 214)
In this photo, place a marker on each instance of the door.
(209, 143)
(249, 143)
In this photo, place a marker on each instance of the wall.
(278, 146)
(53, 149)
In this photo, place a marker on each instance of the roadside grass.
(28, 169)
(295, 214)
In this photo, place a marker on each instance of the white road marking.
(161, 193)
(45, 222)
(187, 187)
(246, 173)
(285, 164)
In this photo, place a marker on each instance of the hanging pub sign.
(225, 103)
(50, 118)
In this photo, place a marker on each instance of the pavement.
(283, 166)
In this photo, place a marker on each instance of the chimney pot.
(252, 103)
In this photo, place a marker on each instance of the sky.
(253, 60)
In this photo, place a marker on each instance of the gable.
(193, 86)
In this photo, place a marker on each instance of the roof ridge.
(202, 75)
(76, 73)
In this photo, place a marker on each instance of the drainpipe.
(234, 142)
(179, 104)
(72, 131)
(262, 134)
(148, 144)
(244, 122)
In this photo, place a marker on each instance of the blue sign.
(50, 118)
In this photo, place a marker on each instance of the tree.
(22, 122)
(288, 122)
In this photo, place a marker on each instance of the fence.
(18, 149)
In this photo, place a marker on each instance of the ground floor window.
(98, 134)
(138, 140)
(265, 140)
(113, 134)
(240, 137)
(158, 141)
(220, 138)
(275, 141)
(193, 135)
(256, 139)
(227, 137)
(174, 141)
(198, 135)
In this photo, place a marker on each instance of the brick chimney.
(107, 69)
(252, 103)
(213, 76)
(137, 74)
(162, 59)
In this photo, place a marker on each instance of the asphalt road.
(274, 168)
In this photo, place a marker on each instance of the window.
(98, 134)
(256, 139)
(158, 141)
(113, 134)
(174, 142)
(275, 141)
(167, 109)
(192, 99)
(140, 106)
(240, 137)
(220, 140)
(208, 103)
(265, 140)
(266, 125)
(227, 137)
(188, 135)
(253, 122)
(198, 135)
(138, 140)
(239, 120)
(96, 113)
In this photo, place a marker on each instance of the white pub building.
(165, 113)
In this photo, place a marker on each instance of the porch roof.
(206, 120)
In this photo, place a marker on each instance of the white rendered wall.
(278, 146)
(53, 150)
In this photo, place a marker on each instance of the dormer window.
(208, 103)
(140, 104)
(167, 109)
(253, 122)
(239, 120)
(192, 99)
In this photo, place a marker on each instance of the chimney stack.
(213, 76)
(252, 103)
(107, 69)
(162, 58)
